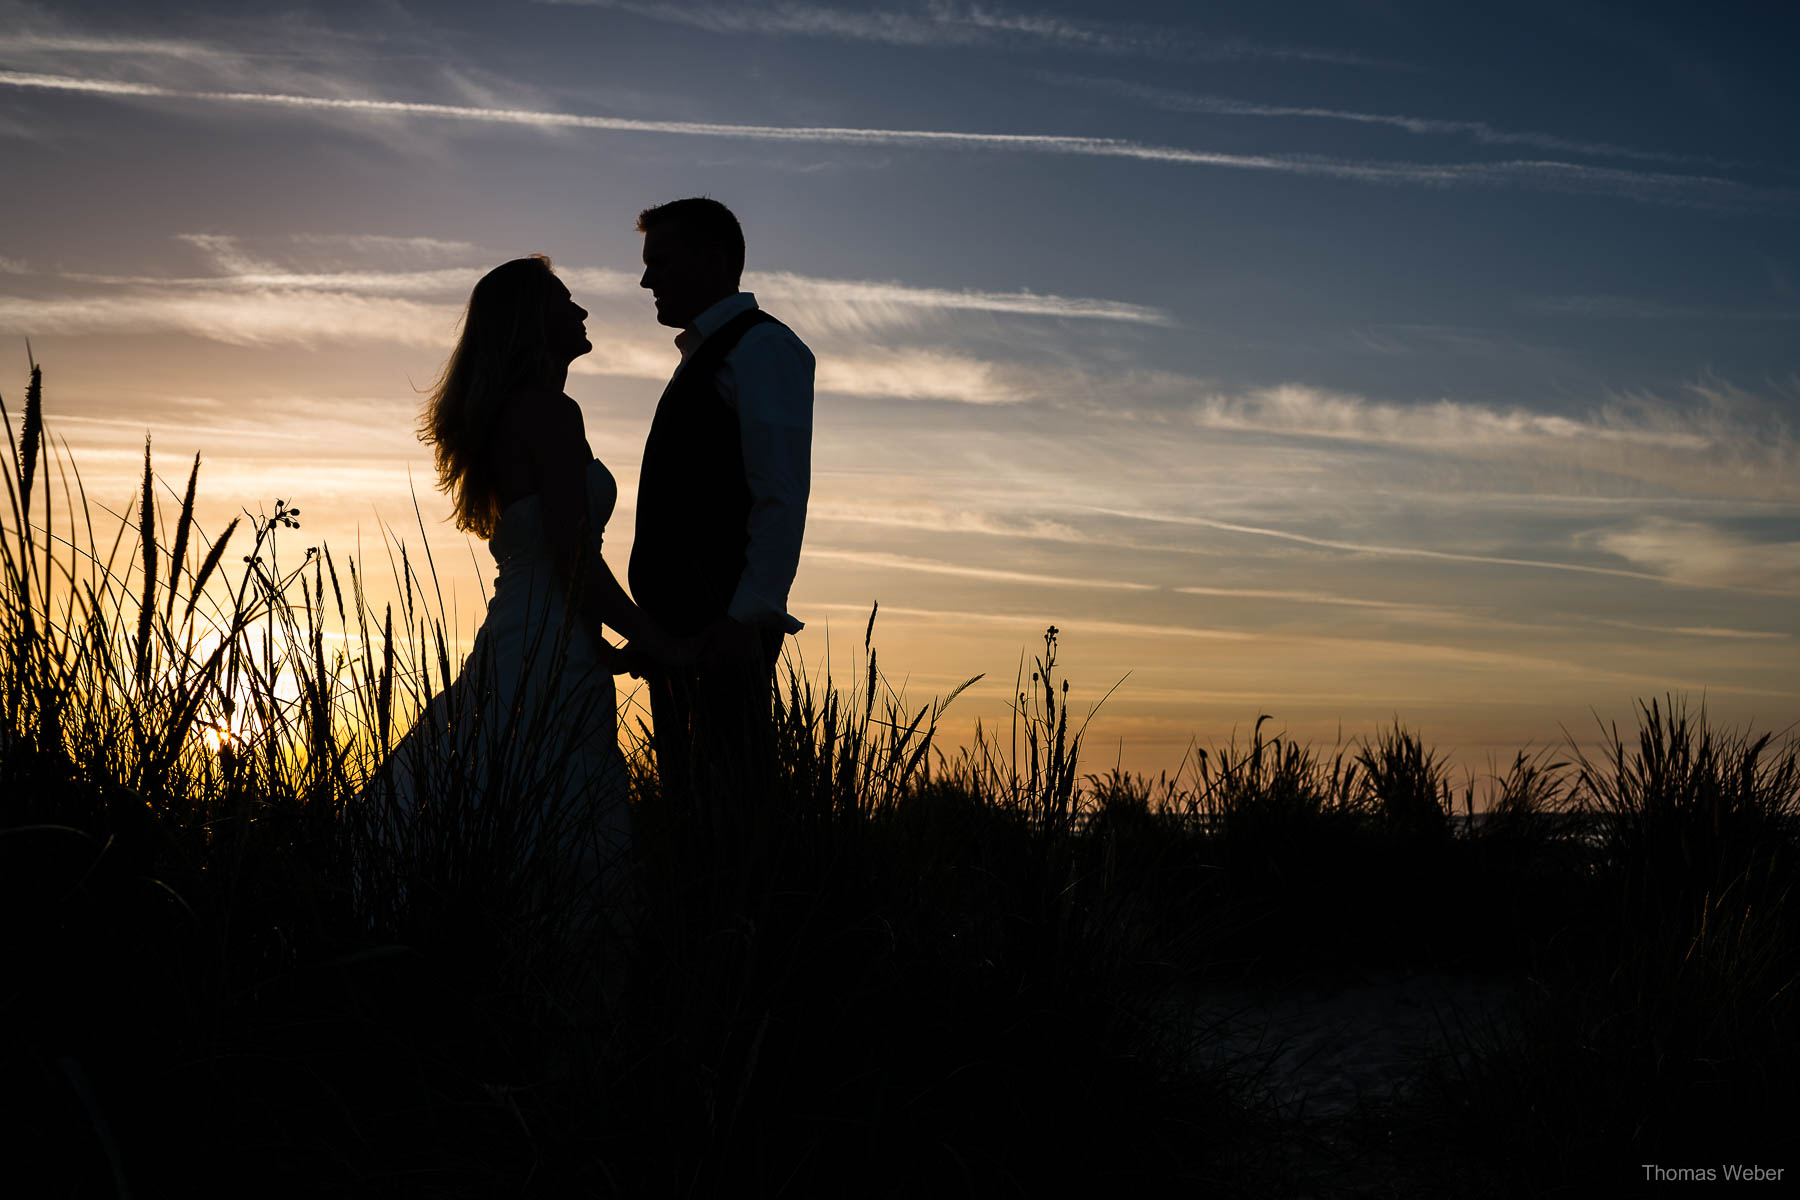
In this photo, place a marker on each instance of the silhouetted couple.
(523, 747)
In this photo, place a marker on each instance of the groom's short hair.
(703, 220)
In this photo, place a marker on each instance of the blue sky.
(1339, 362)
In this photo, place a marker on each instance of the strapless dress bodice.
(520, 534)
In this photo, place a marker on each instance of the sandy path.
(1322, 1045)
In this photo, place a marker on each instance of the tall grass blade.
(208, 566)
(147, 535)
(384, 699)
(33, 433)
(179, 554)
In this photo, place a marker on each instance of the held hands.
(654, 652)
(724, 641)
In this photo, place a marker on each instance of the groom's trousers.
(713, 726)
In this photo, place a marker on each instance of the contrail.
(900, 562)
(1397, 551)
(1553, 175)
(1171, 100)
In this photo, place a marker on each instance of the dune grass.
(882, 967)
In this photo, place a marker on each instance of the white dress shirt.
(768, 379)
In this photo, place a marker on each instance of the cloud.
(1715, 439)
(900, 562)
(941, 23)
(1377, 550)
(244, 425)
(856, 306)
(1300, 597)
(260, 316)
(1172, 100)
(1631, 308)
(872, 373)
(29, 43)
(1705, 555)
(457, 280)
(821, 305)
(235, 269)
(1699, 631)
(287, 53)
(625, 357)
(263, 296)
(386, 246)
(918, 375)
(1040, 621)
(910, 514)
(1341, 652)
(1546, 175)
(1298, 409)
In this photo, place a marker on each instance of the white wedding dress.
(513, 771)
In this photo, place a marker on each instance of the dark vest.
(693, 506)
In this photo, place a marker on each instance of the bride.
(512, 775)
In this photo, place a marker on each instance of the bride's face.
(565, 332)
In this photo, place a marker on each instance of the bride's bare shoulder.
(536, 420)
(533, 409)
(542, 427)
(537, 430)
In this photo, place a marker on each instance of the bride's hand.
(616, 658)
(631, 660)
(653, 646)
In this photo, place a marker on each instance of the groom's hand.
(731, 641)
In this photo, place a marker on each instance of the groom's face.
(685, 278)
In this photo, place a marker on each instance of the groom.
(722, 493)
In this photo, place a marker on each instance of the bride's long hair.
(502, 349)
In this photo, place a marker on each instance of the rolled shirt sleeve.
(769, 378)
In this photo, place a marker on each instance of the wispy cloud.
(1703, 554)
(34, 43)
(269, 316)
(939, 518)
(1290, 595)
(1699, 631)
(1039, 620)
(359, 247)
(253, 317)
(1632, 308)
(942, 23)
(922, 374)
(1173, 100)
(858, 305)
(918, 374)
(1383, 551)
(1302, 410)
(901, 562)
(1713, 440)
(843, 304)
(290, 52)
(1547, 175)
(1341, 652)
(268, 293)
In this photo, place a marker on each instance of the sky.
(1348, 363)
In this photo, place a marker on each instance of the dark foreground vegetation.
(889, 971)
